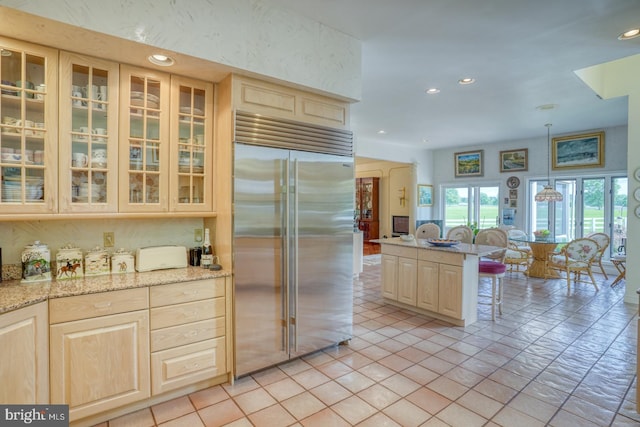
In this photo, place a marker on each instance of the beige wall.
(610, 80)
(393, 178)
(87, 234)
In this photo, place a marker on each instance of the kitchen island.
(440, 282)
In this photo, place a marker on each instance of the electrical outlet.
(109, 239)
(197, 235)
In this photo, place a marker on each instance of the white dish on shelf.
(140, 103)
(187, 110)
(11, 157)
(140, 95)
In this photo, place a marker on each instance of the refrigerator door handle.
(286, 248)
(295, 256)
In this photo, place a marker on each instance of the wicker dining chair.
(462, 233)
(428, 231)
(603, 242)
(576, 257)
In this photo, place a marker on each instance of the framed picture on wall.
(578, 151)
(425, 195)
(469, 163)
(514, 160)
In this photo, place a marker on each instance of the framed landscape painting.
(425, 195)
(578, 151)
(468, 163)
(514, 160)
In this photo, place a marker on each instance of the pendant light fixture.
(548, 194)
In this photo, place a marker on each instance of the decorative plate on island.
(443, 242)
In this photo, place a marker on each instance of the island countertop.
(460, 248)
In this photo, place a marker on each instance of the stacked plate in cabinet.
(137, 99)
(12, 189)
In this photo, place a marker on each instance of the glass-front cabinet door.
(191, 145)
(144, 140)
(28, 128)
(88, 153)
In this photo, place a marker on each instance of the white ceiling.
(522, 53)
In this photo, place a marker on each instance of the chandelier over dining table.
(548, 193)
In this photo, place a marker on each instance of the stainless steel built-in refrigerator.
(293, 242)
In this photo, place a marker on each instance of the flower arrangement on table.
(542, 234)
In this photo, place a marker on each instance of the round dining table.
(540, 250)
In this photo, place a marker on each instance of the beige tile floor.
(550, 359)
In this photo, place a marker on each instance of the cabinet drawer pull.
(102, 305)
(188, 293)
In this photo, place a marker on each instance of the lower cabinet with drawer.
(187, 333)
(114, 352)
(99, 350)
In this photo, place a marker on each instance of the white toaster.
(160, 257)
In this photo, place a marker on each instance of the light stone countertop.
(15, 295)
(460, 248)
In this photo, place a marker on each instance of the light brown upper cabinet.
(144, 140)
(88, 145)
(191, 139)
(166, 138)
(28, 128)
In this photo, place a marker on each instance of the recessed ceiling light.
(162, 60)
(629, 34)
(382, 131)
(432, 90)
(466, 81)
(546, 107)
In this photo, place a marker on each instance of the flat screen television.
(400, 224)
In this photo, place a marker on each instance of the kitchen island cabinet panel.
(24, 362)
(450, 290)
(389, 264)
(440, 282)
(428, 273)
(407, 280)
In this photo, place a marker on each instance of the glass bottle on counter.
(206, 259)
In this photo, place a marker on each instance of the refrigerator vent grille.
(256, 129)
